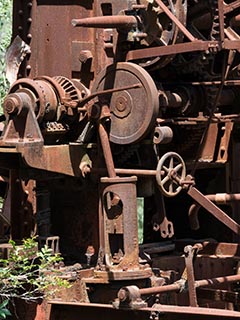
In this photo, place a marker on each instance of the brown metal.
(198, 283)
(214, 210)
(210, 143)
(94, 110)
(106, 150)
(73, 309)
(223, 149)
(221, 20)
(159, 220)
(190, 252)
(231, 6)
(196, 45)
(175, 20)
(219, 295)
(133, 112)
(22, 206)
(121, 21)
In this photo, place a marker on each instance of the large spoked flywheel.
(133, 109)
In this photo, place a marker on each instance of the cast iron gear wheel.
(160, 30)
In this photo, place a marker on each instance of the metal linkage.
(179, 286)
(190, 254)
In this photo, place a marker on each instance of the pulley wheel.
(133, 110)
(171, 170)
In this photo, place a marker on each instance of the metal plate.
(133, 111)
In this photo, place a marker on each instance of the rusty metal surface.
(117, 101)
(133, 112)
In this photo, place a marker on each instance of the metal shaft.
(122, 22)
(200, 283)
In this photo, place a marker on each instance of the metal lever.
(213, 209)
(188, 274)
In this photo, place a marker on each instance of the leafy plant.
(5, 37)
(28, 274)
(4, 312)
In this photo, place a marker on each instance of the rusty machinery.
(114, 101)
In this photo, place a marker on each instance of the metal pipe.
(120, 21)
(199, 283)
(219, 280)
(223, 198)
(135, 172)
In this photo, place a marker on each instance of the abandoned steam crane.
(111, 101)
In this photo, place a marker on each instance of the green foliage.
(4, 312)
(5, 37)
(28, 274)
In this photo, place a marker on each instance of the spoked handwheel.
(171, 171)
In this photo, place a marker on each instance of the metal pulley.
(133, 110)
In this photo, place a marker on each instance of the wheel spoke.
(171, 163)
(165, 169)
(179, 189)
(166, 179)
(178, 167)
(175, 182)
(171, 188)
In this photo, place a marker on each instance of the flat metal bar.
(231, 6)
(106, 150)
(213, 209)
(108, 91)
(180, 312)
(189, 254)
(221, 19)
(61, 309)
(231, 44)
(197, 45)
(175, 20)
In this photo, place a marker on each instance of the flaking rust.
(123, 123)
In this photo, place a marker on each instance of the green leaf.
(2, 315)
(4, 304)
